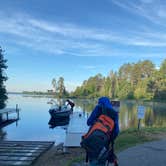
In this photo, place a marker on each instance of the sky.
(77, 39)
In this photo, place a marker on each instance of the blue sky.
(77, 39)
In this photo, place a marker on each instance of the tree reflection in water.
(2, 134)
(155, 115)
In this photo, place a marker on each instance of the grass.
(76, 160)
(132, 137)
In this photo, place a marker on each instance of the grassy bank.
(132, 137)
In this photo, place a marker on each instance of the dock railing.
(6, 112)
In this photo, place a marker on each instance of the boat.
(60, 112)
(60, 115)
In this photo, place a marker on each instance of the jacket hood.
(105, 101)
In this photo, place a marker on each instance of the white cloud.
(89, 67)
(73, 31)
(152, 10)
(62, 38)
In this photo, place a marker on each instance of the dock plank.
(16, 158)
(29, 148)
(14, 154)
(21, 152)
(18, 163)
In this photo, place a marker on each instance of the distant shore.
(46, 94)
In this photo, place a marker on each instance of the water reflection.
(2, 134)
(155, 114)
(34, 117)
(56, 122)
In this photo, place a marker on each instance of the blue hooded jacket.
(103, 101)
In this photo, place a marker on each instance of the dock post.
(139, 122)
(17, 110)
(7, 116)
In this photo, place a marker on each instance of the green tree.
(151, 87)
(98, 81)
(161, 82)
(60, 87)
(139, 80)
(90, 88)
(156, 85)
(140, 90)
(3, 78)
(106, 88)
(125, 81)
(163, 68)
(124, 89)
(54, 84)
(113, 78)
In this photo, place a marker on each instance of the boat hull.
(58, 122)
(60, 114)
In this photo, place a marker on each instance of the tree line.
(141, 80)
(3, 78)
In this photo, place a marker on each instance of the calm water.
(34, 117)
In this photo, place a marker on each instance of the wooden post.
(17, 110)
(139, 122)
(7, 116)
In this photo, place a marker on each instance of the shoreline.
(56, 156)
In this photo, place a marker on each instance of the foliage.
(54, 84)
(3, 78)
(59, 88)
(139, 80)
(90, 88)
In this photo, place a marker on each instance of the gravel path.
(148, 154)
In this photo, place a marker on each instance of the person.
(103, 102)
(69, 102)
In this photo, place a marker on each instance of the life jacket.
(99, 133)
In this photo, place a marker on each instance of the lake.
(34, 117)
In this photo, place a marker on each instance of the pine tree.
(3, 78)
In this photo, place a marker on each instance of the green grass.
(132, 137)
(76, 160)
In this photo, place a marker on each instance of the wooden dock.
(5, 112)
(19, 153)
(77, 127)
